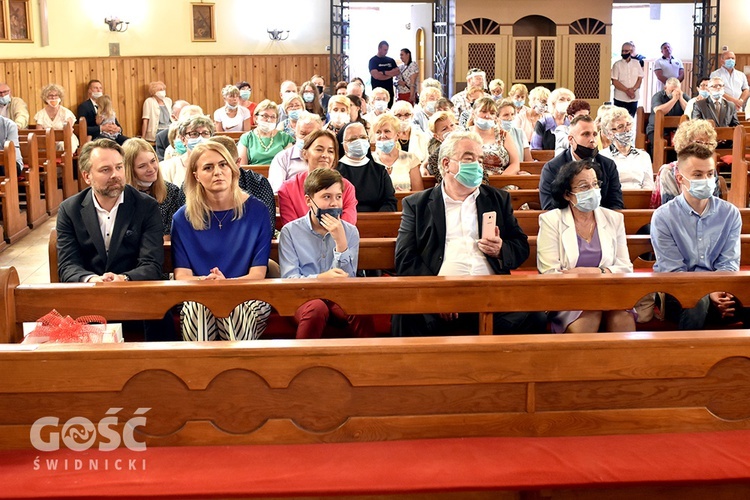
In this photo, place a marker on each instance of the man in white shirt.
(440, 236)
(667, 67)
(736, 89)
(627, 75)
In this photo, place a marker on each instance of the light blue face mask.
(385, 146)
(484, 124)
(294, 115)
(358, 148)
(245, 95)
(179, 146)
(299, 143)
(518, 104)
(704, 93)
(702, 189)
(588, 201)
(430, 107)
(506, 124)
(194, 142)
(470, 174)
(231, 107)
(729, 63)
(5, 100)
(308, 96)
(717, 95)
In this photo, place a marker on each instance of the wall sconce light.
(278, 35)
(115, 24)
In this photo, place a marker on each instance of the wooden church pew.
(14, 222)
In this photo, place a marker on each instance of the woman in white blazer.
(582, 237)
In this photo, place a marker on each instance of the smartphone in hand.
(488, 224)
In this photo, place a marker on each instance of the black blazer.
(609, 181)
(421, 237)
(705, 110)
(162, 142)
(135, 249)
(86, 110)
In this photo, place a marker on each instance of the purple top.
(589, 253)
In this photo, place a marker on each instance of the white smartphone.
(488, 224)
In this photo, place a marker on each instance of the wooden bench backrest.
(542, 155)
(499, 181)
(359, 390)
(36, 211)
(14, 222)
(738, 193)
(662, 124)
(235, 136)
(258, 169)
(70, 185)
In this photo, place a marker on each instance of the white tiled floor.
(29, 255)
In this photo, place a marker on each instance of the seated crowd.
(332, 156)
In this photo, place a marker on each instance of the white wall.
(633, 22)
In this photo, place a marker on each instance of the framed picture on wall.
(203, 29)
(15, 21)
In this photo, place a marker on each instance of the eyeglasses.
(584, 187)
(716, 86)
(622, 127)
(403, 116)
(194, 134)
(267, 118)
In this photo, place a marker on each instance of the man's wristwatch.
(126, 277)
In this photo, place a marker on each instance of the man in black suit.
(582, 139)
(109, 231)
(716, 108)
(88, 109)
(440, 236)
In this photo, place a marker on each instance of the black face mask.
(320, 89)
(625, 55)
(333, 212)
(585, 153)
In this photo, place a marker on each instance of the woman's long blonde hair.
(132, 148)
(197, 211)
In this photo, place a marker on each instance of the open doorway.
(402, 25)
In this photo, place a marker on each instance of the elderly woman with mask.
(156, 111)
(499, 151)
(378, 104)
(544, 131)
(426, 108)
(289, 162)
(339, 113)
(191, 132)
(527, 117)
(260, 145)
(373, 186)
(402, 166)
(232, 117)
(293, 107)
(441, 124)
(410, 138)
(633, 165)
(581, 237)
(54, 115)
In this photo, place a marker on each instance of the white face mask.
(339, 118)
(161, 94)
(96, 95)
(266, 127)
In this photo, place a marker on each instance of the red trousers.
(405, 97)
(312, 317)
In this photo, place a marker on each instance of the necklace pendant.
(219, 226)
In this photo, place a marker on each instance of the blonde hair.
(154, 87)
(339, 99)
(486, 105)
(497, 83)
(438, 117)
(402, 105)
(197, 211)
(49, 88)
(471, 90)
(519, 87)
(266, 104)
(538, 93)
(428, 93)
(131, 149)
(383, 120)
(381, 92)
(106, 110)
(556, 94)
(229, 91)
(690, 130)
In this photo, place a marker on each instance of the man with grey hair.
(440, 236)
(670, 100)
(13, 108)
(162, 137)
(109, 231)
(716, 107)
(287, 89)
(288, 162)
(627, 74)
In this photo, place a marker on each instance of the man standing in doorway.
(627, 75)
(667, 66)
(382, 70)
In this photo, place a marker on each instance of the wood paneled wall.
(197, 79)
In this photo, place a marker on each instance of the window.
(15, 21)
